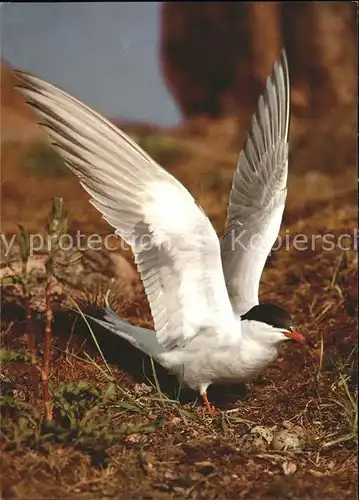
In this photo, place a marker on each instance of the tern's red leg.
(209, 409)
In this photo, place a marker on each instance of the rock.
(289, 468)
(123, 269)
(176, 420)
(217, 55)
(85, 275)
(17, 120)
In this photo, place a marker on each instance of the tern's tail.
(142, 338)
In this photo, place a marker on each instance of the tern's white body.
(199, 288)
(220, 362)
(211, 356)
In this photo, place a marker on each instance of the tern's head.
(271, 324)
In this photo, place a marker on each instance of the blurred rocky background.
(216, 56)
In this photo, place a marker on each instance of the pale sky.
(105, 54)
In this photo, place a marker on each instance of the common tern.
(202, 291)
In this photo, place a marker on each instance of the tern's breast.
(219, 365)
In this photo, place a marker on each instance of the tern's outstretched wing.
(258, 192)
(176, 248)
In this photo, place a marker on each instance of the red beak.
(299, 337)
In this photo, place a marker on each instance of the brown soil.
(191, 455)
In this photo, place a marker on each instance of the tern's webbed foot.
(208, 408)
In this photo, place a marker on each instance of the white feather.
(258, 193)
(175, 246)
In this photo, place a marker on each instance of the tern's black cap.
(270, 314)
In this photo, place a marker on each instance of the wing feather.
(258, 193)
(176, 249)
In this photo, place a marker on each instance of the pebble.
(289, 468)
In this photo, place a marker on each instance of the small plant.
(56, 226)
(336, 401)
(84, 416)
(345, 399)
(23, 279)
